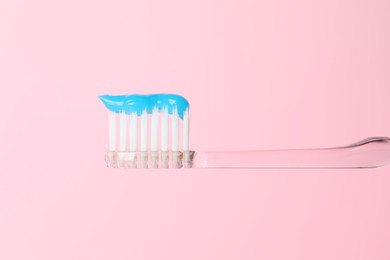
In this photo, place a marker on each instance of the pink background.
(259, 74)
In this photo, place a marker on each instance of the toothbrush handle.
(368, 153)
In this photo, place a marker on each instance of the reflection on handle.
(368, 153)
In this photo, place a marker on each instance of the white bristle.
(135, 149)
(175, 131)
(186, 128)
(112, 131)
(154, 131)
(144, 131)
(133, 132)
(122, 131)
(164, 129)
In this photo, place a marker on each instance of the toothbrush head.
(148, 131)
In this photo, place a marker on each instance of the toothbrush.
(158, 125)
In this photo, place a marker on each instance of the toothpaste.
(130, 104)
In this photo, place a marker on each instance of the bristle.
(176, 156)
(133, 132)
(132, 161)
(144, 132)
(186, 128)
(175, 131)
(122, 131)
(110, 159)
(144, 140)
(122, 138)
(154, 131)
(154, 139)
(112, 131)
(153, 144)
(164, 129)
(164, 138)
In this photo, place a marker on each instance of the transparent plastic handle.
(368, 153)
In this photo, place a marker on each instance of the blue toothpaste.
(139, 103)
